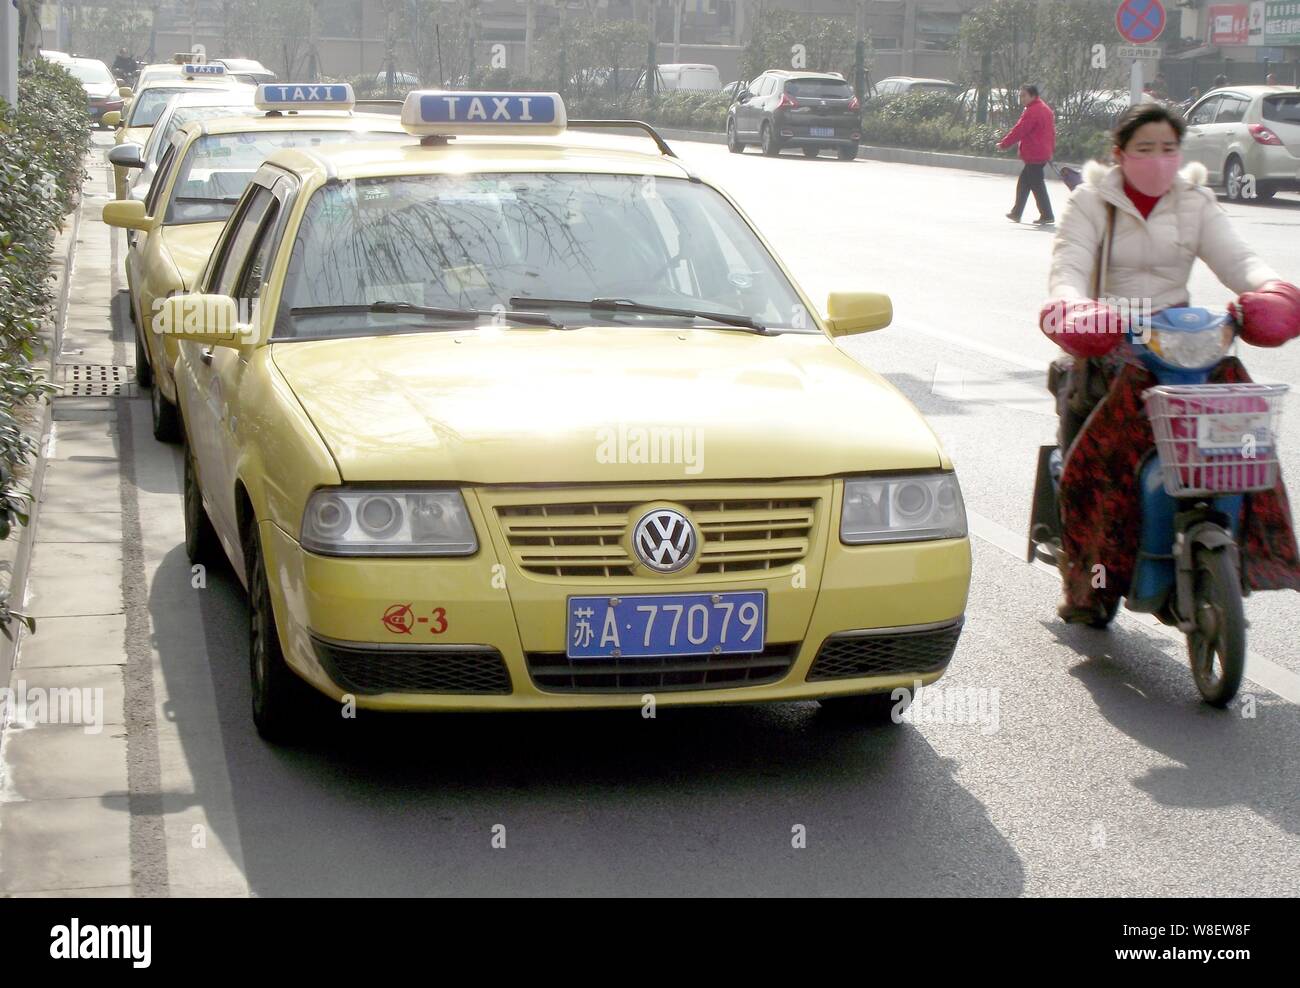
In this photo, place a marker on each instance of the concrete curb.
(902, 156)
(22, 547)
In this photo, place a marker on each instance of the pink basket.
(1216, 438)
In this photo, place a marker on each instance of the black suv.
(809, 110)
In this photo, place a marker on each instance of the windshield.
(819, 89)
(1282, 109)
(479, 241)
(147, 106)
(181, 116)
(90, 73)
(218, 167)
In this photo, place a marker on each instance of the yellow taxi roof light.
(432, 113)
(304, 96)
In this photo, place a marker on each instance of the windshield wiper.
(627, 305)
(436, 312)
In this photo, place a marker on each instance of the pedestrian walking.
(1035, 132)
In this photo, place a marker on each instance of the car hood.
(101, 90)
(190, 245)
(592, 405)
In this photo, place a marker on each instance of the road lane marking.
(1259, 670)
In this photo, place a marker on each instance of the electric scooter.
(1215, 443)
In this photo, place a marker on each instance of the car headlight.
(366, 521)
(903, 508)
(1192, 350)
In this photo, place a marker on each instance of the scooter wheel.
(1217, 646)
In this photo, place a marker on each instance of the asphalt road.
(1103, 773)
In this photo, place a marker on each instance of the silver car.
(1248, 138)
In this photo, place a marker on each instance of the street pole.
(9, 53)
(677, 30)
(530, 28)
(1135, 83)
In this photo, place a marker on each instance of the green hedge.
(42, 145)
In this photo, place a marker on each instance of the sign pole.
(1135, 81)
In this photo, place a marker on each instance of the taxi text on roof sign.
(289, 96)
(195, 68)
(434, 112)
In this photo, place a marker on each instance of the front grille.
(372, 669)
(554, 672)
(586, 538)
(885, 654)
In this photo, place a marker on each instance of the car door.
(1228, 129)
(214, 372)
(746, 112)
(1196, 141)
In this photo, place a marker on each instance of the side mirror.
(128, 155)
(113, 118)
(127, 214)
(743, 96)
(126, 92)
(209, 319)
(848, 313)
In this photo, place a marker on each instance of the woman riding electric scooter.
(1132, 232)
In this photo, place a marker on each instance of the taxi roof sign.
(202, 68)
(434, 112)
(301, 96)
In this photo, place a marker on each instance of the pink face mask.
(1151, 176)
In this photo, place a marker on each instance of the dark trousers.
(1031, 180)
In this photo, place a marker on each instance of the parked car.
(1247, 136)
(247, 70)
(901, 85)
(100, 86)
(808, 110)
(687, 76)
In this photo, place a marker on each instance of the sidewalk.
(90, 802)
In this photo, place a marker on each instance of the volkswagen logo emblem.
(664, 540)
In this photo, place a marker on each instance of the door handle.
(206, 355)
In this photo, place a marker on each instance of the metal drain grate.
(96, 381)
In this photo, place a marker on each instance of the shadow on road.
(691, 802)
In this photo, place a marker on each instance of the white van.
(684, 75)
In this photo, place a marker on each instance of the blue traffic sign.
(1140, 21)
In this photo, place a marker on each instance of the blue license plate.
(822, 131)
(649, 626)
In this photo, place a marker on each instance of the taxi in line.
(200, 177)
(506, 416)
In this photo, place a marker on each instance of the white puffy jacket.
(1150, 258)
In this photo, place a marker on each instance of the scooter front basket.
(1216, 438)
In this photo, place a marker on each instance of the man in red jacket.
(1035, 131)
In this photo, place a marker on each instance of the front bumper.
(481, 633)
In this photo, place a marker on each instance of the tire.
(166, 419)
(201, 545)
(279, 696)
(869, 709)
(734, 144)
(1233, 172)
(1221, 626)
(848, 153)
(143, 372)
(769, 142)
(811, 152)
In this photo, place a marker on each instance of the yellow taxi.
(147, 102)
(505, 417)
(200, 178)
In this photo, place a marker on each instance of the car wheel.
(771, 147)
(143, 372)
(200, 537)
(811, 152)
(166, 419)
(279, 696)
(849, 152)
(734, 144)
(1233, 173)
(867, 708)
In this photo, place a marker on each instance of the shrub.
(43, 143)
